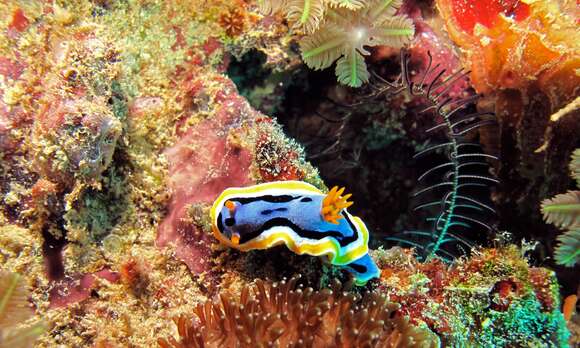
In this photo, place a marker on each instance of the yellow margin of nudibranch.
(328, 247)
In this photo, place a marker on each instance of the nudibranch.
(298, 215)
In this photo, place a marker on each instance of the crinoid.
(454, 199)
(285, 314)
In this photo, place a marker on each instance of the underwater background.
(178, 173)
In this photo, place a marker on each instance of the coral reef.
(119, 126)
(506, 302)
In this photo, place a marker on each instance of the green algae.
(523, 324)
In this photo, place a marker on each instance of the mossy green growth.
(523, 321)
(118, 101)
(522, 324)
(98, 211)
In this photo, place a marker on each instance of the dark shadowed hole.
(52, 251)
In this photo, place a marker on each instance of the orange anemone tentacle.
(333, 204)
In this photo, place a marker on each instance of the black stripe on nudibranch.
(317, 235)
(266, 198)
(220, 225)
(357, 268)
(270, 211)
(306, 199)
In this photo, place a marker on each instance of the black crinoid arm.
(454, 192)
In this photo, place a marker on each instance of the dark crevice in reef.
(52, 251)
(270, 91)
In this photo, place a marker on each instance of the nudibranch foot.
(299, 216)
(363, 270)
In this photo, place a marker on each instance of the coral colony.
(193, 173)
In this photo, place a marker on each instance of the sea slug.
(298, 215)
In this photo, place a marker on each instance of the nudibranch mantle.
(291, 213)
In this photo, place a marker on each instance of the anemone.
(286, 315)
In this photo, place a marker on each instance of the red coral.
(11, 69)
(133, 274)
(85, 130)
(19, 21)
(437, 271)
(78, 289)
(428, 40)
(541, 281)
(281, 161)
(202, 163)
(503, 292)
(469, 12)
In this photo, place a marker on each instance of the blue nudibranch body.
(298, 215)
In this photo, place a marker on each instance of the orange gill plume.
(285, 314)
(333, 204)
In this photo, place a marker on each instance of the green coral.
(522, 324)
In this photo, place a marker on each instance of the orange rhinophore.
(333, 204)
(569, 307)
(231, 206)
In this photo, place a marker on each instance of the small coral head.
(333, 204)
(235, 238)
